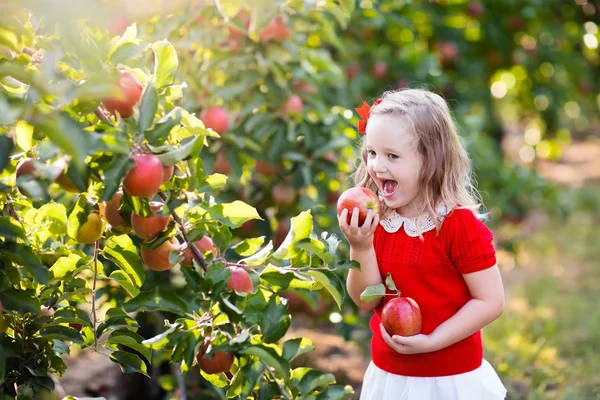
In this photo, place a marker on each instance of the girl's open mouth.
(389, 187)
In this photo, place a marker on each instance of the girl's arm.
(368, 275)
(486, 305)
(360, 239)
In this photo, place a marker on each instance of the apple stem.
(100, 114)
(94, 317)
(281, 389)
(191, 245)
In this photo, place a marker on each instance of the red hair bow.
(364, 112)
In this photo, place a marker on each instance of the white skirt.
(480, 384)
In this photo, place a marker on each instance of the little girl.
(430, 238)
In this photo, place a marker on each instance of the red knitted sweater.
(430, 271)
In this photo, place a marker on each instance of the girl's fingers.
(368, 220)
(354, 220)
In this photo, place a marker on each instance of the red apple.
(158, 259)
(293, 105)
(145, 178)
(401, 316)
(215, 118)
(276, 30)
(219, 361)
(360, 197)
(205, 244)
(448, 53)
(222, 166)
(379, 70)
(475, 9)
(240, 280)
(131, 92)
(168, 173)
(283, 194)
(266, 169)
(109, 210)
(149, 227)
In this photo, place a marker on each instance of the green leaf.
(131, 340)
(314, 379)
(347, 264)
(160, 132)
(6, 148)
(24, 133)
(129, 363)
(300, 228)
(21, 301)
(114, 174)
(165, 62)
(275, 322)
(372, 293)
(148, 107)
(11, 229)
(229, 8)
(158, 299)
(389, 282)
(77, 216)
(270, 357)
(234, 214)
(62, 333)
(69, 136)
(331, 282)
(316, 247)
(127, 51)
(181, 153)
(160, 341)
(2, 360)
(260, 257)
(66, 265)
(24, 255)
(122, 252)
(296, 347)
(249, 246)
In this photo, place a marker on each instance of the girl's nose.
(379, 165)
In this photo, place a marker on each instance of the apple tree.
(110, 212)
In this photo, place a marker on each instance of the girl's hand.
(359, 237)
(409, 344)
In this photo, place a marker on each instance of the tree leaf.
(181, 153)
(62, 333)
(248, 246)
(24, 255)
(131, 340)
(331, 282)
(270, 357)
(165, 62)
(259, 257)
(314, 379)
(296, 347)
(21, 301)
(234, 214)
(6, 148)
(24, 133)
(148, 107)
(120, 250)
(157, 299)
(389, 282)
(300, 228)
(160, 132)
(65, 265)
(11, 229)
(69, 136)
(372, 293)
(275, 322)
(114, 174)
(129, 363)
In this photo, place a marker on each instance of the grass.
(547, 343)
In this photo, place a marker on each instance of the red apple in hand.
(363, 198)
(401, 316)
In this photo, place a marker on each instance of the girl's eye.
(370, 152)
(393, 156)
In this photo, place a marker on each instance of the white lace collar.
(394, 221)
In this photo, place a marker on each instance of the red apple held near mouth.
(149, 227)
(240, 280)
(363, 198)
(145, 178)
(215, 118)
(401, 316)
(131, 92)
